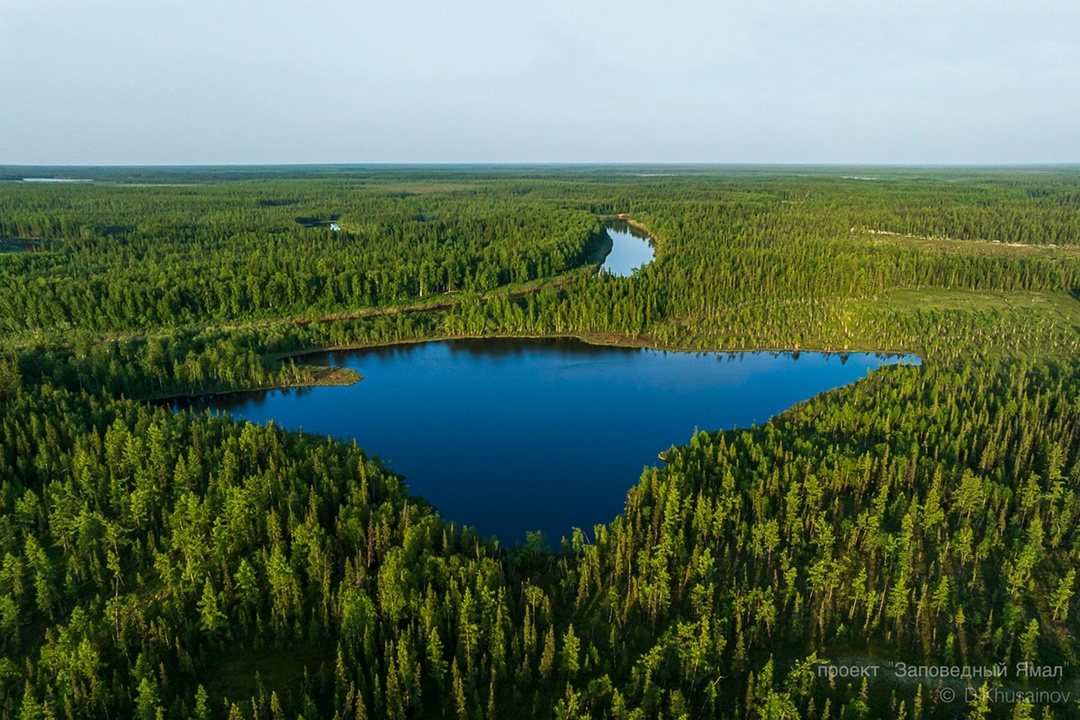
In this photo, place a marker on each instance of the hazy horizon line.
(543, 164)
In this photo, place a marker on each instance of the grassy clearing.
(1063, 305)
(954, 246)
(324, 376)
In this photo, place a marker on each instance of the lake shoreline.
(515, 434)
(323, 376)
(597, 339)
(600, 242)
(625, 217)
(633, 247)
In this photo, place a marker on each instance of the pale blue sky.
(422, 81)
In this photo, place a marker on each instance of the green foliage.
(160, 564)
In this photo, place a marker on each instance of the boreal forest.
(903, 547)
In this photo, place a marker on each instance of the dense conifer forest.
(904, 547)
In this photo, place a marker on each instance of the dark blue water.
(515, 435)
(631, 248)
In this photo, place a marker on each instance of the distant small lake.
(510, 435)
(631, 248)
(57, 180)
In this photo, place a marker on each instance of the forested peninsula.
(903, 547)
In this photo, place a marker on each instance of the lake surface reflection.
(631, 248)
(510, 435)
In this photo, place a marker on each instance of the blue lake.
(511, 435)
(631, 248)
